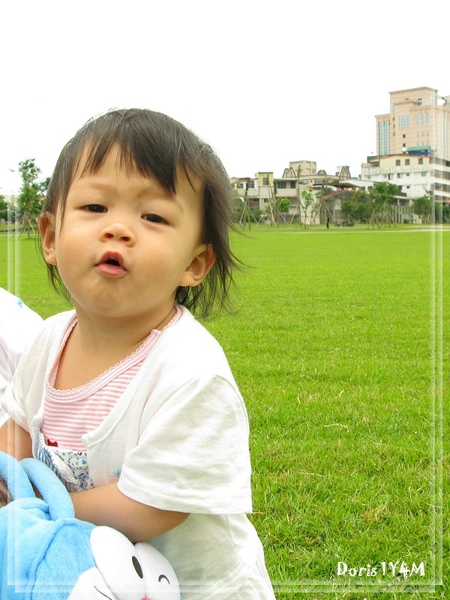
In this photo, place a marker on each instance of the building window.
(420, 161)
(407, 161)
(281, 185)
(265, 181)
(398, 162)
(403, 121)
(383, 138)
(423, 118)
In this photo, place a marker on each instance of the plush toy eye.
(161, 582)
(132, 571)
(137, 567)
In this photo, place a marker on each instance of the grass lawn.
(337, 345)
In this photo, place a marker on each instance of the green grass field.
(337, 344)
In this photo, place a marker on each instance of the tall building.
(418, 119)
(413, 144)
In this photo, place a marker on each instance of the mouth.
(111, 264)
(112, 261)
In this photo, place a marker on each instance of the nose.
(118, 230)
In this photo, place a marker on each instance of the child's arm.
(15, 440)
(106, 505)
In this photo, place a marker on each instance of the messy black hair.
(152, 144)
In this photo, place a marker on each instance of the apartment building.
(256, 191)
(262, 191)
(413, 144)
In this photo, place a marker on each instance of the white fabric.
(18, 324)
(177, 439)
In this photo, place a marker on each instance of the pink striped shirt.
(69, 414)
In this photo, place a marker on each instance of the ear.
(47, 231)
(200, 266)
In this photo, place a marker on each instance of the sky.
(264, 82)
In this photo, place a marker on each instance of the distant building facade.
(302, 184)
(413, 144)
(413, 152)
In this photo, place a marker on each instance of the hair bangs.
(137, 154)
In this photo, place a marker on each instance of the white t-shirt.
(177, 439)
(18, 324)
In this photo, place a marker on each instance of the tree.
(283, 205)
(31, 195)
(381, 196)
(423, 206)
(349, 210)
(8, 210)
(307, 205)
(442, 212)
(3, 209)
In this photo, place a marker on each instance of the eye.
(132, 570)
(158, 572)
(152, 218)
(137, 567)
(96, 208)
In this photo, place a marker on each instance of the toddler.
(128, 398)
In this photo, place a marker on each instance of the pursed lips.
(111, 264)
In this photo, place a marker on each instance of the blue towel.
(34, 538)
(48, 554)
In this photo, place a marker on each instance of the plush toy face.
(125, 571)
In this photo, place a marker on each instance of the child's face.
(124, 244)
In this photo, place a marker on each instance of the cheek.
(69, 253)
(72, 240)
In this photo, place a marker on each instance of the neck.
(123, 332)
(97, 343)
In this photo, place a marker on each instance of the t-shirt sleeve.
(193, 455)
